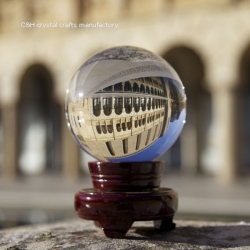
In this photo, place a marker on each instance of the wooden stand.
(124, 193)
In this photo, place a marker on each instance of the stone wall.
(217, 32)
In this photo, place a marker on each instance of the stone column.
(9, 121)
(71, 157)
(189, 157)
(224, 133)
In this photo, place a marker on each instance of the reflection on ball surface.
(125, 104)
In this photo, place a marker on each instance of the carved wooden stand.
(124, 193)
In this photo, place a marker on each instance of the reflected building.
(126, 117)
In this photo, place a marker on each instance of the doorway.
(39, 128)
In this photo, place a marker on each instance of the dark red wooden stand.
(124, 193)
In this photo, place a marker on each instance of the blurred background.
(43, 43)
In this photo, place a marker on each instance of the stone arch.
(243, 68)
(190, 67)
(243, 110)
(39, 122)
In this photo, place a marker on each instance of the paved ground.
(81, 234)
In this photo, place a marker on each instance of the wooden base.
(116, 210)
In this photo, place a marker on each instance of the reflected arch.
(38, 121)
(242, 111)
(189, 151)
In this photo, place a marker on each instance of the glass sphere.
(125, 104)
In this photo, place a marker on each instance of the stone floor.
(82, 234)
(200, 198)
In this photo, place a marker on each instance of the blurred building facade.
(43, 43)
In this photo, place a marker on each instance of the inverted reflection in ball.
(125, 104)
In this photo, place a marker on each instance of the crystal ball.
(125, 104)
